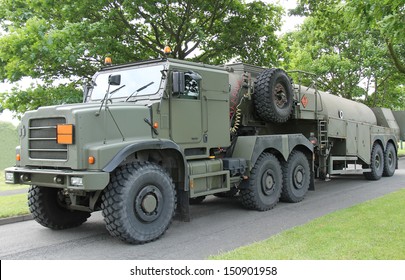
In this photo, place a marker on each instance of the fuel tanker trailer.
(151, 137)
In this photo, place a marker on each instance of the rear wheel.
(264, 185)
(139, 203)
(297, 176)
(48, 207)
(390, 160)
(377, 163)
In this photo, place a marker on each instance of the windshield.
(135, 82)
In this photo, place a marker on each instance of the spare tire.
(273, 98)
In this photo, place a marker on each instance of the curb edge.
(15, 219)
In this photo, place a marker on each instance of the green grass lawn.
(7, 187)
(8, 142)
(374, 230)
(13, 205)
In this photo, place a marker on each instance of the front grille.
(42, 139)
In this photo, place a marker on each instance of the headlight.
(9, 177)
(76, 181)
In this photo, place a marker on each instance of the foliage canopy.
(356, 48)
(68, 40)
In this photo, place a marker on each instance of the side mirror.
(193, 75)
(114, 80)
(179, 83)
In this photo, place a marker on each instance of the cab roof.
(162, 60)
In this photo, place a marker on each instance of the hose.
(237, 112)
(237, 117)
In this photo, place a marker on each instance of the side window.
(192, 85)
(186, 85)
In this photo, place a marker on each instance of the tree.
(67, 40)
(19, 101)
(387, 17)
(349, 57)
(384, 18)
(332, 50)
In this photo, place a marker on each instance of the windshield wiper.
(115, 90)
(106, 96)
(138, 90)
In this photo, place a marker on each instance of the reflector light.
(65, 129)
(91, 160)
(65, 139)
(64, 134)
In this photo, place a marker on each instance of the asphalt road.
(217, 225)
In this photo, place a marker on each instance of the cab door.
(186, 108)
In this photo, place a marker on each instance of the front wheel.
(48, 207)
(264, 185)
(139, 203)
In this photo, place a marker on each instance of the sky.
(289, 24)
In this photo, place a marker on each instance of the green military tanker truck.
(154, 136)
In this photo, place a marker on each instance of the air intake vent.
(42, 140)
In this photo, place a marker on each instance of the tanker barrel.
(333, 106)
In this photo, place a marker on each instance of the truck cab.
(156, 117)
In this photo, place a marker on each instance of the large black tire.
(377, 163)
(139, 203)
(390, 160)
(263, 189)
(273, 98)
(46, 207)
(296, 177)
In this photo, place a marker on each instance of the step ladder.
(323, 137)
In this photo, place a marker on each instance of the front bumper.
(64, 179)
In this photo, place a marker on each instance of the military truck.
(154, 136)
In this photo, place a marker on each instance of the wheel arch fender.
(251, 147)
(171, 152)
(161, 145)
(383, 141)
(282, 146)
(379, 139)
